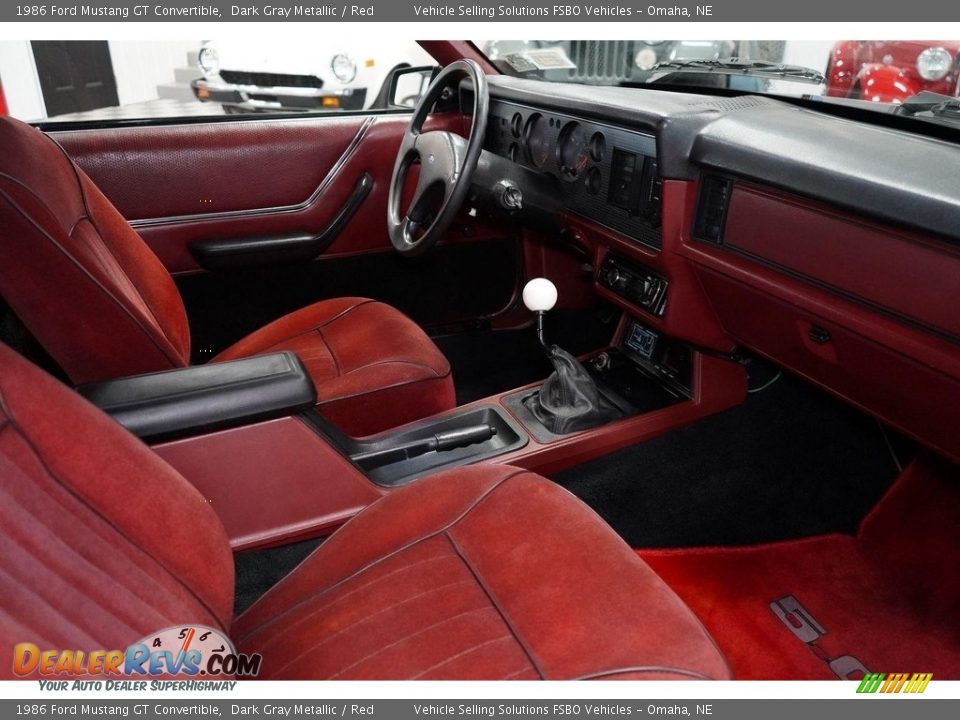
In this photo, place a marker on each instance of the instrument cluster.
(607, 174)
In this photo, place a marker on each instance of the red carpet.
(889, 597)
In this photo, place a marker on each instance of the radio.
(635, 283)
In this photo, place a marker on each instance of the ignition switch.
(508, 195)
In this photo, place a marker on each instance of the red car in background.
(892, 71)
(3, 102)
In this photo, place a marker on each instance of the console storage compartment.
(462, 437)
(272, 483)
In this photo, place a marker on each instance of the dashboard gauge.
(537, 137)
(516, 124)
(514, 152)
(593, 181)
(573, 150)
(598, 146)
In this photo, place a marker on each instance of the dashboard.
(826, 241)
(605, 173)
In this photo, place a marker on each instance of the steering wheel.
(447, 162)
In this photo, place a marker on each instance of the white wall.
(809, 53)
(140, 66)
(21, 87)
(806, 53)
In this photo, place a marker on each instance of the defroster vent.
(712, 209)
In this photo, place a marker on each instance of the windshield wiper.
(930, 104)
(735, 66)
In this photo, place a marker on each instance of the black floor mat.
(790, 462)
(259, 570)
(486, 362)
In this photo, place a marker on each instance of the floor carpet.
(790, 462)
(259, 570)
(887, 597)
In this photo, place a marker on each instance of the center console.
(246, 434)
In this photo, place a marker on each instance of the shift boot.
(569, 400)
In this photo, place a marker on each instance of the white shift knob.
(539, 295)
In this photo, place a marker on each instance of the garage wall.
(140, 67)
(21, 87)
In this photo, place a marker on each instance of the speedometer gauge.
(573, 150)
(537, 138)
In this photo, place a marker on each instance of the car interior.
(537, 381)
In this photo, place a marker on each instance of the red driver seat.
(101, 303)
(483, 572)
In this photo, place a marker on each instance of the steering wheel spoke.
(419, 208)
(446, 165)
(408, 145)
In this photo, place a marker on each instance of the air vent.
(712, 209)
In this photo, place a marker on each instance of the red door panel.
(159, 172)
(232, 180)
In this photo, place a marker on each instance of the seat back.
(78, 276)
(102, 543)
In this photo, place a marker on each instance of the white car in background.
(280, 76)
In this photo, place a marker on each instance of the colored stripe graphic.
(919, 682)
(894, 682)
(871, 682)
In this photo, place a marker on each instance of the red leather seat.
(481, 572)
(101, 303)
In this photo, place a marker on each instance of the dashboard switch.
(635, 283)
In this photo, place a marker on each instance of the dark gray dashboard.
(900, 177)
(881, 173)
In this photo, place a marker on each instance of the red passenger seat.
(481, 572)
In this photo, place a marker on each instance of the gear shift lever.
(540, 295)
(569, 399)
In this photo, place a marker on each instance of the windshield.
(887, 72)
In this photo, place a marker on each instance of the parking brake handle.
(439, 442)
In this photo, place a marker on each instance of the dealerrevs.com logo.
(182, 651)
